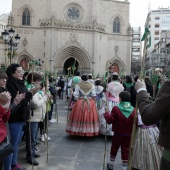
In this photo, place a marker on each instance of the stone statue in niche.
(24, 42)
(73, 38)
(116, 50)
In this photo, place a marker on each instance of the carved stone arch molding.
(117, 61)
(23, 55)
(117, 15)
(21, 10)
(76, 52)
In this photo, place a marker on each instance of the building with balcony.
(159, 20)
(159, 57)
(136, 50)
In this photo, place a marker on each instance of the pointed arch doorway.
(67, 57)
(69, 66)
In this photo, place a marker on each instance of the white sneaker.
(47, 137)
(42, 138)
(54, 120)
(37, 149)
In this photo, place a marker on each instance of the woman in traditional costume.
(147, 153)
(84, 120)
(114, 88)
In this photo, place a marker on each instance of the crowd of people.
(25, 101)
(97, 107)
(115, 106)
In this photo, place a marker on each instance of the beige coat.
(38, 106)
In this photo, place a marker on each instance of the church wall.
(2, 53)
(98, 45)
(114, 9)
(37, 7)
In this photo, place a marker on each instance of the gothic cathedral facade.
(92, 34)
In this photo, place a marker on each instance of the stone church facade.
(92, 34)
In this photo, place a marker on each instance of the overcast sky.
(138, 9)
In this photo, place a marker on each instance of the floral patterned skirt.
(102, 121)
(147, 153)
(84, 119)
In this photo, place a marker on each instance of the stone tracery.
(66, 24)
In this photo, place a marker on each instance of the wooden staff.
(74, 67)
(30, 111)
(136, 115)
(56, 110)
(105, 146)
(46, 89)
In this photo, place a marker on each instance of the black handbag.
(5, 149)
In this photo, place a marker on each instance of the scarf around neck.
(128, 84)
(125, 108)
(85, 87)
(19, 84)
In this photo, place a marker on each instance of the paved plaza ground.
(69, 152)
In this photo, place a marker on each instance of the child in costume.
(121, 118)
(100, 103)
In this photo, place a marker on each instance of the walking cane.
(105, 146)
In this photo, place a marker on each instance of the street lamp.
(11, 41)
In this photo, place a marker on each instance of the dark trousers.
(30, 146)
(124, 143)
(50, 112)
(165, 165)
(1, 165)
(60, 93)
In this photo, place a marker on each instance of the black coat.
(22, 113)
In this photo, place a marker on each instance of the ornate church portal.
(72, 58)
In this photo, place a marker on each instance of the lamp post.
(12, 42)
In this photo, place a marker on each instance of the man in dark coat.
(152, 112)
